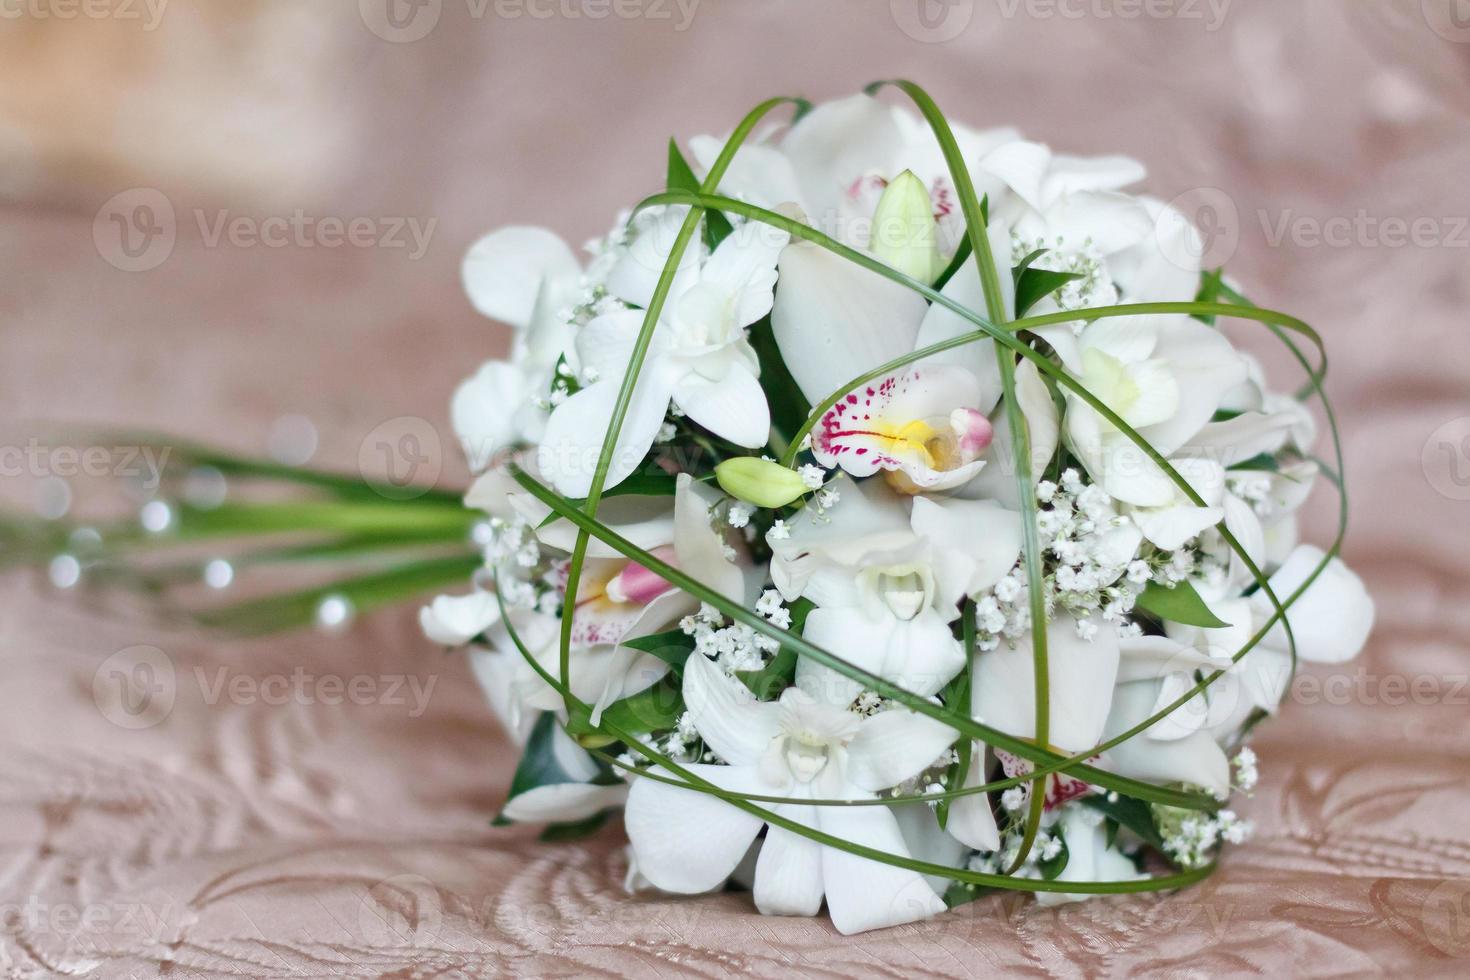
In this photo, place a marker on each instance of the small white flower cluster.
(1094, 288)
(1083, 574)
(514, 557)
(931, 779)
(1046, 847)
(1194, 837)
(736, 647)
(1246, 775)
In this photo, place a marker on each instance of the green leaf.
(961, 256)
(1265, 461)
(538, 766)
(562, 833)
(1135, 815)
(681, 178)
(789, 408)
(673, 647)
(1052, 867)
(1179, 604)
(653, 709)
(1211, 288)
(1033, 285)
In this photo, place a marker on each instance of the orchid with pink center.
(915, 426)
(800, 747)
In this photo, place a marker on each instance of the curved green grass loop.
(691, 781)
(1044, 762)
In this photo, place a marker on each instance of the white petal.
(1206, 366)
(729, 718)
(984, 534)
(1170, 527)
(700, 550)
(834, 145)
(1080, 674)
(788, 874)
(563, 802)
(503, 271)
(484, 411)
(941, 324)
(834, 320)
(734, 407)
(1022, 165)
(646, 521)
(1088, 857)
(893, 746)
(919, 655)
(1195, 760)
(575, 433)
(454, 620)
(1068, 174)
(744, 267)
(971, 820)
(1244, 437)
(687, 841)
(927, 842)
(759, 174)
(1039, 411)
(634, 276)
(863, 894)
(605, 344)
(1112, 221)
(1332, 618)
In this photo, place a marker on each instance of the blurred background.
(243, 222)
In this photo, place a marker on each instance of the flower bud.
(760, 481)
(905, 234)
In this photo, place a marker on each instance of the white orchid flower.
(688, 842)
(887, 578)
(1164, 377)
(836, 161)
(1331, 622)
(524, 277)
(699, 358)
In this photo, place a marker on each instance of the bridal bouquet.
(880, 516)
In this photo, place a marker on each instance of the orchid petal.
(863, 894)
(453, 621)
(578, 427)
(687, 841)
(729, 718)
(971, 820)
(503, 271)
(895, 745)
(563, 802)
(1195, 759)
(1331, 620)
(788, 873)
(700, 550)
(1004, 685)
(733, 407)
